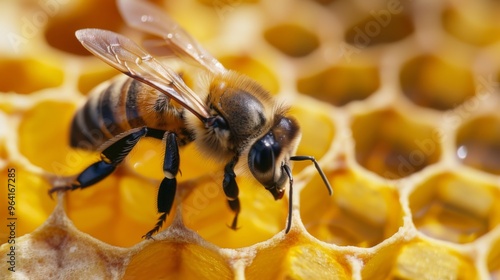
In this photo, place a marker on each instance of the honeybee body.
(122, 104)
(228, 116)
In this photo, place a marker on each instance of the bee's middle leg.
(168, 186)
(231, 190)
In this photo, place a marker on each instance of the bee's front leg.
(110, 158)
(231, 190)
(168, 186)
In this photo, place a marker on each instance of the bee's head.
(269, 154)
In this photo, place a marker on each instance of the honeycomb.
(396, 99)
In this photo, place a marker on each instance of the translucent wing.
(149, 18)
(126, 56)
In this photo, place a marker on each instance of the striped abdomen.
(123, 104)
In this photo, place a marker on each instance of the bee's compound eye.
(262, 157)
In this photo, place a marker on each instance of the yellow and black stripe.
(121, 105)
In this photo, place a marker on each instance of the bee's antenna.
(290, 197)
(321, 173)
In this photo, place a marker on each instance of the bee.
(232, 119)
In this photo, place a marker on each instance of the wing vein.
(127, 57)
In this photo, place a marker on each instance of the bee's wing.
(149, 18)
(126, 56)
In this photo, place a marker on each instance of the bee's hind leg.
(166, 192)
(110, 158)
(231, 190)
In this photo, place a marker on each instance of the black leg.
(231, 190)
(166, 192)
(110, 158)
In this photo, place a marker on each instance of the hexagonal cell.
(341, 84)
(455, 208)
(177, 260)
(116, 205)
(295, 258)
(474, 22)
(292, 40)
(360, 213)
(433, 82)
(392, 145)
(254, 69)
(206, 211)
(478, 144)
(50, 149)
(28, 75)
(318, 131)
(387, 25)
(57, 249)
(493, 260)
(419, 260)
(62, 23)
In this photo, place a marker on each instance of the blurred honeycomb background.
(398, 100)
